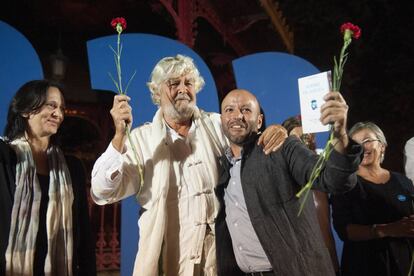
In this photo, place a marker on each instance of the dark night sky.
(378, 83)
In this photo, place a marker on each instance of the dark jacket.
(294, 245)
(84, 261)
(367, 204)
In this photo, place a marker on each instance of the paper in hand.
(312, 89)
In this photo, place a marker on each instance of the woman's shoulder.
(3, 144)
(7, 154)
(401, 179)
(358, 191)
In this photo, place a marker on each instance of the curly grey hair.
(173, 67)
(372, 127)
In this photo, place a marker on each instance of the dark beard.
(240, 140)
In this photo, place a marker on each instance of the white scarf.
(25, 215)
(152, 222)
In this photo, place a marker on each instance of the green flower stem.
(339, 67)
(118, 85)
(323, 158)
(118, 62)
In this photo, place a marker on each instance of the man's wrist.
(340, 142)
(377, 231)
(374, 231)
(118, 142)
(342, 136)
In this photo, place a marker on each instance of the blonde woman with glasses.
(375, 219)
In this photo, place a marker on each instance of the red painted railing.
(106, 225)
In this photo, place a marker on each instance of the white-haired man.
(178, 153)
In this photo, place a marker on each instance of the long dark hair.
(28, 99)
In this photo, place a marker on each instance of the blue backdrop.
(19, 63)
(271, 76)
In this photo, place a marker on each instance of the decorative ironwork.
(186, 14)
(279, 22)
(107, 245)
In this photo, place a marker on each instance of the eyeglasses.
(368, 141)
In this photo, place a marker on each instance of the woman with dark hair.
(45, 228)
(375, 219)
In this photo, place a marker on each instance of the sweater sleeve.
(337, 176)
(104, 189)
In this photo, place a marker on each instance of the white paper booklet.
(312, 89)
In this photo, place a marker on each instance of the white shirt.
(248, 251)
(409, 159)
(190, 204)
(178, 192)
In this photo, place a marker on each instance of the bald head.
(240, 116)
(237, 93)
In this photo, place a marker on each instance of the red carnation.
(356, 31)
(119, 20)
(349, 31)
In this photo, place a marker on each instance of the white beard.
(180, 113)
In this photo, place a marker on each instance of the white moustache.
(182, 97)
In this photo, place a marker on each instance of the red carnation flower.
(349, 31)
(356, 31)
(119, 24)
(119, 20)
